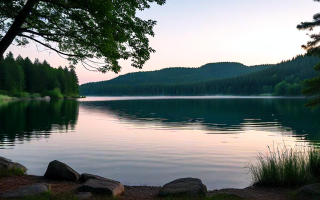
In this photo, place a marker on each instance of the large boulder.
(4, 166)
(184, 186)
(7, 164)
(3, 159)
(61, 171)
(84, 177)
(312, 190)
(19, 166)
(25, 191)
(104, 187)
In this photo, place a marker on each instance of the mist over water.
(151, 141)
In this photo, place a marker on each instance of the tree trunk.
(23, 14)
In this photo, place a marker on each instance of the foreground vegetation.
(286, 167)
(71, 196)
(50, 196)
(11, 172)
(23, 78)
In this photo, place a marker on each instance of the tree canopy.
(312, 47)
(80, 30)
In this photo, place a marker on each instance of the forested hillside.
(21, 77)
(183, 75)
(212, 79)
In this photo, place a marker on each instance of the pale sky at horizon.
(192, 33)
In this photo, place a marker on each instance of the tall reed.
(286, 166)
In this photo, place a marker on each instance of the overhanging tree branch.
(15, 27)
(60, 52)
(83, 30)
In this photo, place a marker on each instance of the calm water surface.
(151, 141)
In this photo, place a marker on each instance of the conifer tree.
(312, 47)
(21, 76)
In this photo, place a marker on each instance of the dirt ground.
(142, 192)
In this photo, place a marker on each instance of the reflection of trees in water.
(220, 115)
(26, 120)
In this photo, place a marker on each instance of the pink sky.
(192, 33)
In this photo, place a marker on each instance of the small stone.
(59, 170)
(104, 187)
(309, 190)
(184, 186)
(83, 195)
(25, 191)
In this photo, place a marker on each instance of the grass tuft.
(11, 172)
(50, 196)
(224, 197)
(284, 166)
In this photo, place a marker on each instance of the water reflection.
(27, 120)
(219, 116)
(152, 142)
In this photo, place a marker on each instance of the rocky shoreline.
(61, 179)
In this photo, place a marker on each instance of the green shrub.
(72, 96)
(35, 95)
(3, 92)
(286, 166)
(55, 94)
(24, 95)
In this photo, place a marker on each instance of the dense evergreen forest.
(285, 78)
(23, 78)
(177, 75)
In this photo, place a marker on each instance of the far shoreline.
(96, 97)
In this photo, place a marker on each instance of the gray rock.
(84, 177)
(184, 186)
(19, 166)
(83, 195)
(105, 187)
(25, 191)
(59, 170)
(3, 159)
(310, 190)
(46, 98)
(6, 164)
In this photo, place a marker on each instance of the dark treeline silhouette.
(212, 79)
(23, 78)
(28, 120)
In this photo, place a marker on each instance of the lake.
(154, 140)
